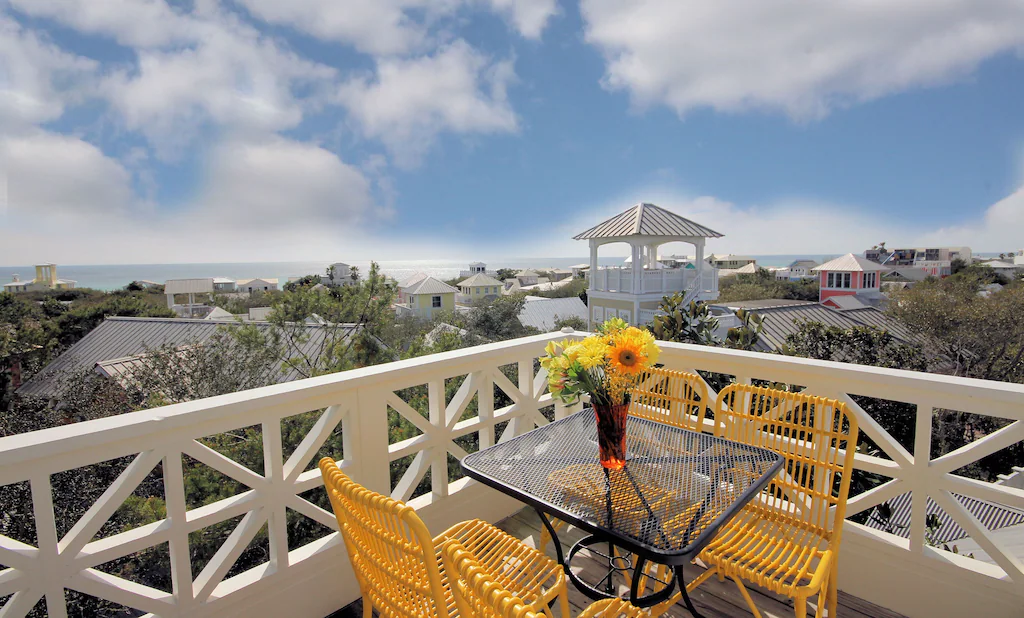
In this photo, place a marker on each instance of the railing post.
(365, 440)
(438, 454)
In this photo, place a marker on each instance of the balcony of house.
(279, 553)
(654, 280)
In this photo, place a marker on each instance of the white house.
(223, 284)
(478, 268)
(797, 270)
(190, 288)
(338, 274)
(634, 293)
(730, 261)
(256, 285)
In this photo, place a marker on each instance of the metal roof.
(431, 286)
(851, 263)
(647, 220)
(121, 338)
(479, 280)
(907, 273)
(188, 286)
(540, 313)
(991, 515)
(783, 318)
(412, 280)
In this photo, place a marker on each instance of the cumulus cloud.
(37, 79)
(59, 176)
(796, 57)
(406, 103)
(530, 17)
(276, 182)
(135, 23)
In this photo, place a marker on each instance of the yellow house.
(430, 296)
(478, 288)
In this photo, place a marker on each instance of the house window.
(838, 280)
(435, 301)
(870, 279)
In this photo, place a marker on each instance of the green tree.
(574, 322)
(506, 273)
(692, 323)
(762, 284)
(747, 334)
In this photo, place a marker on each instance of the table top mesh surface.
(677, 487)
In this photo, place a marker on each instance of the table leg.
(554, 539)
(686, 595)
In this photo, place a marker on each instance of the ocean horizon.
(115, 276)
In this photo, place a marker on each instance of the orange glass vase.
(611, 434)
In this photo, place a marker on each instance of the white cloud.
(278, 183)
(135, 23)
(408, 102)
(801, 58)
(530, 17)
(37, 79)
(792, 226)
(52, 176)
(378, 27)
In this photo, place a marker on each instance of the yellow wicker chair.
(398, 564)
(479, 592)
(786, 539)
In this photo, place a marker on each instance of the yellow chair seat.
(536, 578)
(763, 548)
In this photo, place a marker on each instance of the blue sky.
(237, 130)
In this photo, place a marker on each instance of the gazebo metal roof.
(647, 220)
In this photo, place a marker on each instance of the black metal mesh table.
(677, 489)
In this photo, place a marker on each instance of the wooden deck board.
(713, 599)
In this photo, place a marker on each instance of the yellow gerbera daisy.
(626, 355)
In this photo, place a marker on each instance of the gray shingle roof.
(647, 220)
(125, 339)
(541, 314)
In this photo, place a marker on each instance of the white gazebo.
(633, 293)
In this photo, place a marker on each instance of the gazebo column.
(700, 262)
(593, 264)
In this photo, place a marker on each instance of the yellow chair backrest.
(817, 438)
(390, 547)
(673, 397)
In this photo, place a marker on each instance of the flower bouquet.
(605, 366)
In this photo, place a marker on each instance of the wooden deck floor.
(713, 599)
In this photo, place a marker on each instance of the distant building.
(1005, 268)
(427, 297)
(527, 277)
(478, 268)
(189, 288)
(730, 261)
(850, 275)
(746, 269)
(338, 274)
(46, 279)
(256, 285)
(479, 288)
(579, 271)
(797, 270)
(407, 284)
(223, 284)
(936, 261)
(557, 274)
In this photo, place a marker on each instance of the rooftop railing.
(447, 404)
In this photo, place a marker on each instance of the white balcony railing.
(656, 281)
(313, 580)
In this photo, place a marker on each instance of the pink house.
(849, 275)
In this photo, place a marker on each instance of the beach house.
(426, 297)
(634, 292)
(338, 274)
(46, 279)
(730, 261)
(478, 288)
(257, 285)
(478, 268)
(849, 276)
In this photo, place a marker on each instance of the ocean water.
(115, 276)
